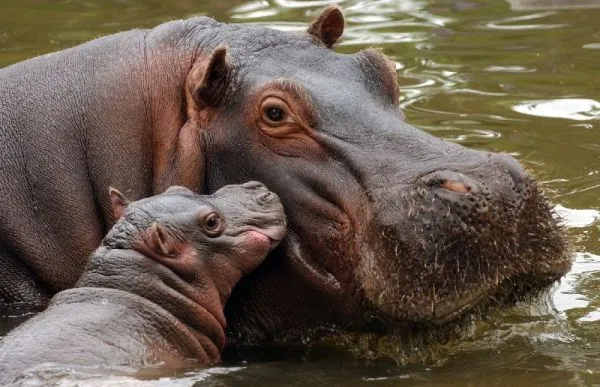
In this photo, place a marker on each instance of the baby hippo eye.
(212, 225)
(274, 114)
(212, 222)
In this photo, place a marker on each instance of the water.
(518, 76)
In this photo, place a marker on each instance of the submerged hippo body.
(153, 292)
(387, 224)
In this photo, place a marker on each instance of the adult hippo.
(153, 292)
(387, 224)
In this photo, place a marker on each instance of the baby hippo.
(153, 292)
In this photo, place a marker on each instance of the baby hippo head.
(204, 239)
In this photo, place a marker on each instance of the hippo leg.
(20, 288)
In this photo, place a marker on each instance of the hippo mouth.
(503, 294)
(262, 237)
(461, 249)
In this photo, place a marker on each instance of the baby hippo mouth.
(260, 239)
(256, 220)
(268, 228)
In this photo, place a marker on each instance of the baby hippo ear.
(159, 241)
(118, 202)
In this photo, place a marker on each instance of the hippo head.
(386, 223)
(213, 239)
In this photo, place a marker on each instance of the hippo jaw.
(460, 250)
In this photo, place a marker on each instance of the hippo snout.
(257, 209)
(472, 221)
(520, 178)
(257, 197)
(451, 181)
(501, 181)
(266, 198)
(254, 185)
(262, 195)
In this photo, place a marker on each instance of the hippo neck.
(156, 322)
(132, 272)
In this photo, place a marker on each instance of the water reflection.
(526, 5)
(573, 218)
(510, 23)
(578, 109)
(509, 69)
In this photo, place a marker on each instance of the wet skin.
(388, 225)
(153, 292)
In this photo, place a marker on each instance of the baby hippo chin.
(153, 292)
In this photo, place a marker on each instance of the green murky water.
(518, 76)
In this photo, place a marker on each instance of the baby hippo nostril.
(266, 197)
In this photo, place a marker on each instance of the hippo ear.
(207, 80)
(159, 240)
(329, 26)
(118, 202)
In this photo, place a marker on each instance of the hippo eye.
(274, 114)
(275, 111)
(212, 225)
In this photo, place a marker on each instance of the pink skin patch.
(256, 239)
(256, 246)
(455, 186)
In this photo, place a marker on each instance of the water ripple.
(305, 3)
(530, 5)
(568, 295)
(577, 218)
(509, 69)
(578, 109)
(502, 23)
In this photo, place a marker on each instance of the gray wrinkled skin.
(388, 225)
(135, 310)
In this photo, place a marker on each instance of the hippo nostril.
(455, 186)
(265, 197)
(513, 168)
(451, 181)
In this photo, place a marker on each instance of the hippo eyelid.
(279, 87)
(211, 223)
(293, 97)
(276, 103)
